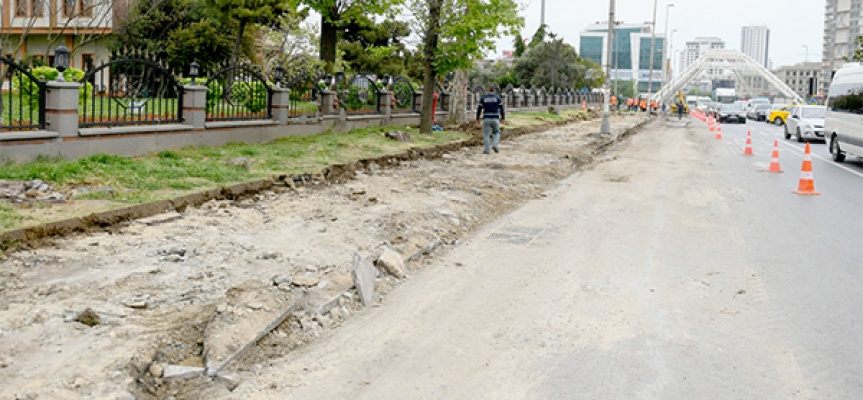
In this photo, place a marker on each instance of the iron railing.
(238, 93)
(22, 101)
(130, 90)
(305, 97)
(403, 98)
(357, 96)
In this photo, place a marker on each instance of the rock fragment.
(88, 317)
(392, 263)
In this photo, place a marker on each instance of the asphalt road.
(679, 270)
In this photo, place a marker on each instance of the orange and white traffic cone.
(747, 151)
(718, 135)
(712, 124)
(774, 158)
(806, 187)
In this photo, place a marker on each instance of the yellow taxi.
(779, 114)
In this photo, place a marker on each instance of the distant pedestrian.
(491, 111)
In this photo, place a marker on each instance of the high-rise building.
(696, 48)
(841, 29)
(630, 52)
(755, 43)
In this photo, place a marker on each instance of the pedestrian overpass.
(741, 65)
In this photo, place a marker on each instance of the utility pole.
(652, 45)
(605, 128)
(805, 47)
(542, 17)
(665, 46)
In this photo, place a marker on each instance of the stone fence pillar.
(385, 103)
(327, 101)
(195, 106)
(61, 107)
(281, 104)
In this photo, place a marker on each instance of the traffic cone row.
(806, 185)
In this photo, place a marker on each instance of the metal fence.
(238, 93)
(305, 96)
(129, 91)
(357, 95)
(23, 99)
(404, 97)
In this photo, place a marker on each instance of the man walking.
(491, 111)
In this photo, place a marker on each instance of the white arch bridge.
(741, 65)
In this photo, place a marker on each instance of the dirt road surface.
(678, 271)
(102, 315)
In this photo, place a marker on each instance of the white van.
(843, 125)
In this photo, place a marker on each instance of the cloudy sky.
(792, 23)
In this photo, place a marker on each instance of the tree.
(336, 13)
(518, 45)
(454, 33)
(539, 36)
(375, 47)
(858, 53)
(550, 64)
(181, 31)
(248, 12)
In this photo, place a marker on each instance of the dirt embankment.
(154, 286)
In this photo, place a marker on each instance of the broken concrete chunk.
(172, 371)
(281, 279)
(230, 333)
(364, 274)
(392, 263)
(399, 136)
(230, 379)
(306, 280)
(160, 219)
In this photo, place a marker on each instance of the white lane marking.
(799, 152)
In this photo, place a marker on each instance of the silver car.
(806, 122)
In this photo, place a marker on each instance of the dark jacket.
(490, 107)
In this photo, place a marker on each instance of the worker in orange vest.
(643, 105)
(629, 103)
(614, 102)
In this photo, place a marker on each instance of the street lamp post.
(605, 128)
(652, 45)
(805, 47)
(665, 45)
(670, 65)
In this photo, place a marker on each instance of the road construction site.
(185, 304)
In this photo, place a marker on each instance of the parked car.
(732, 112)
(758, 112)
(751, 104)
(806, 122)
(844, 120)
(779, 114)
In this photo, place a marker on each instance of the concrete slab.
(364, 274)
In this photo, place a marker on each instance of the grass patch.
(166, 173)
(532, 118)
(8, 216)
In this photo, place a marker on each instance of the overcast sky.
(792, 23)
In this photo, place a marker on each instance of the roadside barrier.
(774, 158)
(747, 151)
(806, 187)
(718, 135)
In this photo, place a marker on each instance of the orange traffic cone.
(711, 123)
(774, 158)
(718, 135)
(747, 151)
(806, 187)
